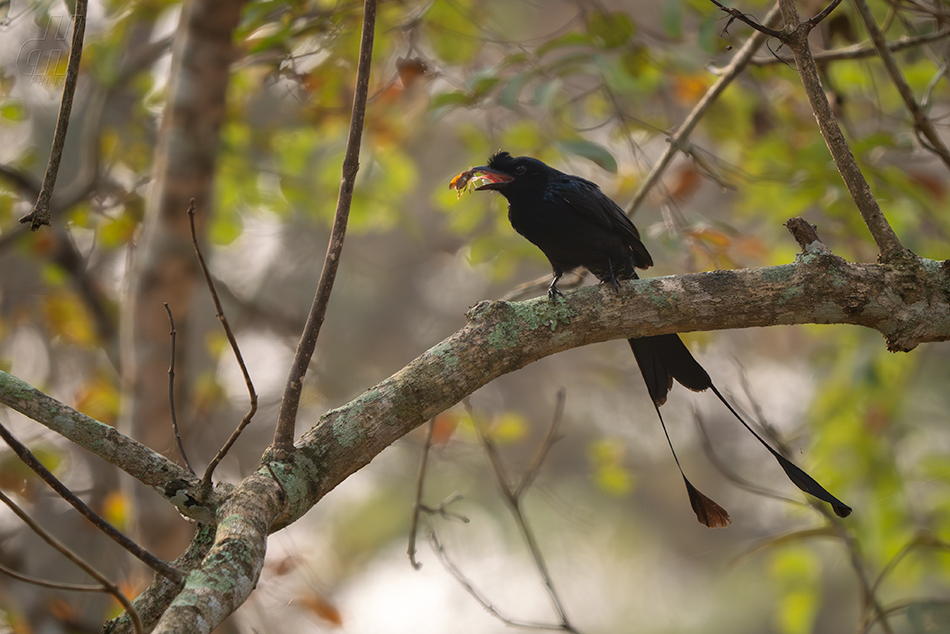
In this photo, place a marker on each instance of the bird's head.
(506, 172)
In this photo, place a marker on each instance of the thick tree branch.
(500, 337)
(105, 441)
(909, 306)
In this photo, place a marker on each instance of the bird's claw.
(554, 293)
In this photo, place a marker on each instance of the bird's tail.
(663, 358)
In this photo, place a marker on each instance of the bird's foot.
(612, 280)
(554, 293)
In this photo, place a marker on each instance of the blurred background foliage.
(594, 88)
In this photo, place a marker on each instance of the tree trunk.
(164, 268)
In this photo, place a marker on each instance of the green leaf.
(929, 618)
(509, 97)
(13, 111)
(591, 151)
(672, 20)
(545, 93)
(635, 60)
(482, 81)
(610, 30)
(451, 99)
(568, 39)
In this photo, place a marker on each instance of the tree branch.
(857, 51)
(500, 337)
(97, 520)
(795, 36)
(40, 215)
(922, 123)
(681, 136)
(103, 440)
(287, 417)
(909, 304)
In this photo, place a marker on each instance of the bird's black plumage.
(576, 225)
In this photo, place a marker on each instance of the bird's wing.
(588, 200)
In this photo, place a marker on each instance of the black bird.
(577, 225)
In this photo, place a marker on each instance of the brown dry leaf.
(321, 606)
(445, 425)
(685, 183)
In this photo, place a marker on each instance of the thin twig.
(726, 470)
(171, 390)
(857, 564)
(417, 507)
(477, 595)
(219, 313)
(514, 505)
(816, 19)
(928, 91)
(40, 215)
(922, 123)
(858, 51)
(287, 417)
(900, 607)
(280, 486)
(107, 585)
(150, 560)
(679, 138)
(735, 14)
(53, 585)
(549, 439)
(917, 541)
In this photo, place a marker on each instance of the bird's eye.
(520, 170)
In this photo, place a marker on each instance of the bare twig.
(287, 417)
(920, 540)
(40, 215)
(441, 509)
(478, 596)
(150, 560)
(107, 585)
(417, 507)
(727, 471)
(219, 313)
(53, 585)
(549, 439)
(897, 608)
(512, 497)
(816, 19)
(858, 51)
(680, 138)
(922, 123)
(735, 14)
(171, 390)
(868, 596)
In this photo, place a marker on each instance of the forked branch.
(795, 36)
(251, 392)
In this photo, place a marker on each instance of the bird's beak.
(497, 178)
